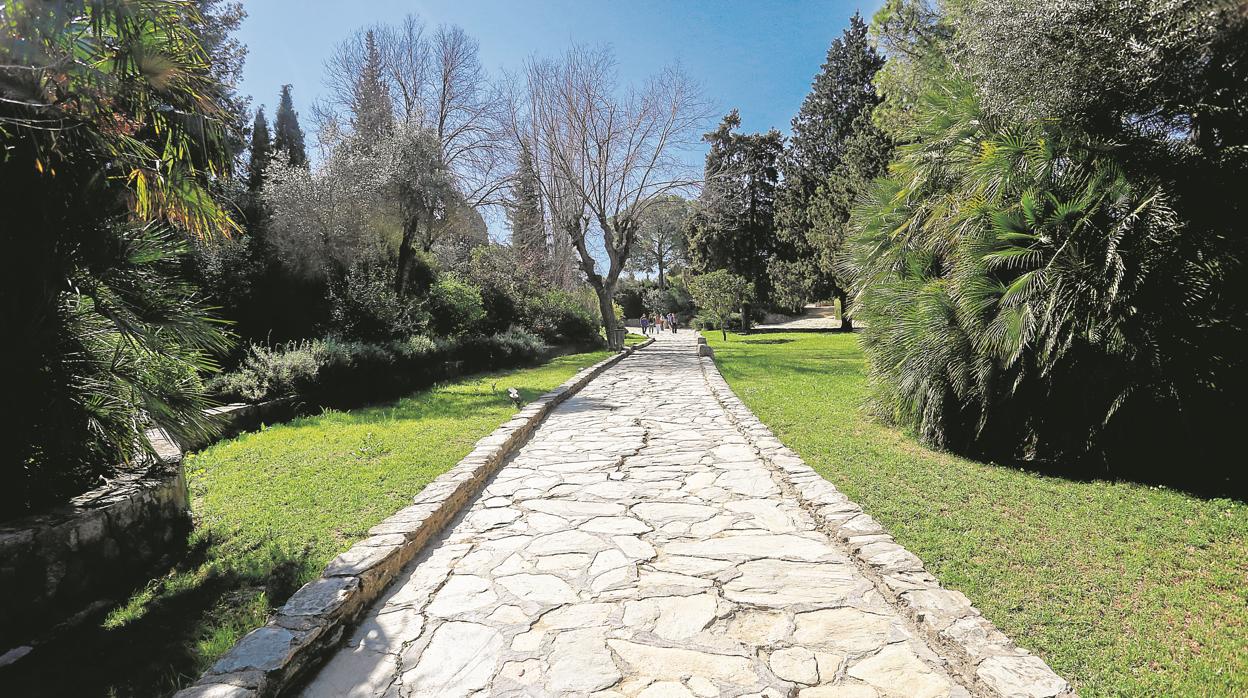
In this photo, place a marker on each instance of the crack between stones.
(955, 669)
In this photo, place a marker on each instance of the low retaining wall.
(57, 564)
(986, 659)
(101, 543)
(305, 631)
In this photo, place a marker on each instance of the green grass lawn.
(272, 507)
(1125, 589)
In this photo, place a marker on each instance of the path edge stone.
(983, 656)
(304, 632)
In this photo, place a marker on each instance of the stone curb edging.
(302, 633)
(984, 656)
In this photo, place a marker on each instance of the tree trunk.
(847, 323)
(605, 297)
(405, 255)
(662, 285)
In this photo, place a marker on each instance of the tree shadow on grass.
(149, 644)
(1206, 475)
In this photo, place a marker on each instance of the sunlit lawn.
(1125, 589)
(272, 508)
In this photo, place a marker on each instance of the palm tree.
(110, 130)
(1019, 289)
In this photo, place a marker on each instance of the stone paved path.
(813, 317)
(636, 546)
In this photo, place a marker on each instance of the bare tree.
(440, 84)
(604, 154)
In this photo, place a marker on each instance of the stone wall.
(97, 547)
(100, 544)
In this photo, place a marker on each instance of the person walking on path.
(671, 321)
(645, 324)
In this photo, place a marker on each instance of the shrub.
(560, 318)
(337, 373)
(455, 307)
(365, 306)
(719, 293)
(1049, 307)
(511, 348)
(704, 321)
(270, 372)
(502, 310)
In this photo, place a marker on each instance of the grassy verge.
(272, 507)
(1125, 589)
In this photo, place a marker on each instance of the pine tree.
(734, 227)
(834, 153)
(372, 111)
(662, 237)
(287, 135)
(524, 212)
(261, 152)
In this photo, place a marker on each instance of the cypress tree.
(287, 135)
(372, 110)
(841, 92)
(524, 211)
(261, 151)
(834, 152)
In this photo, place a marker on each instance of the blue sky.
(758, 56)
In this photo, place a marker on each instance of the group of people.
(658, 322)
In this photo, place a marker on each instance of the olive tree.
(719, 294)
(366, 198)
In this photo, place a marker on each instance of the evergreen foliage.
(721, 293)
(111, 129)
(662, 244)
(734, 225)
(261, 152)
(833, 154)
(372, 112)
(287, 134)
(524, 211)
(1048, 285)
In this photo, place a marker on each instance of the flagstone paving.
(636, 546)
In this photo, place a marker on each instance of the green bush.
(1051, 308)
(702, 321)
(365, 306)
(511, 348)
(455, 307)
(559, 317)
(337, 373)
(270, 372)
